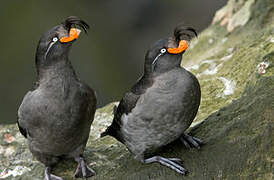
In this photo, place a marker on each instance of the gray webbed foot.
(173, 163)
(190, 141)
(83, 171)
(49, 176)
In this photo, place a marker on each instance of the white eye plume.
(163, 51)
(55, 39)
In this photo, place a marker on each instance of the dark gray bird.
(56, 115)
(161, 105)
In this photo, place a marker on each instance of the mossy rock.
(235, 118)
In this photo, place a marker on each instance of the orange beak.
(73, 34)
(183, 45)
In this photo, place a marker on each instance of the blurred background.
(110, 59)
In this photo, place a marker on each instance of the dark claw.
(172, 163)
(114, 109)
(190, 141)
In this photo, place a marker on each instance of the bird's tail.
(109, 131)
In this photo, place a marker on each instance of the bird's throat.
(54, 70)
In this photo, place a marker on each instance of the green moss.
(249, 49)
(237, 128)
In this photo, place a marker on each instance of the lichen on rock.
(235, 118)
(235, 13)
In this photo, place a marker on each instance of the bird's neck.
(61, 69)
(152, 73)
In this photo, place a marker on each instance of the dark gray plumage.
(160, 106)
(56, 115)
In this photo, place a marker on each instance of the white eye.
(163, 51)
(55, 39)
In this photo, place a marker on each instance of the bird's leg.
(49, 176)
(83, 171)
(190, 141)
(173, 163)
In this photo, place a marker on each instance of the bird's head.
(166, 54)
(55, 43)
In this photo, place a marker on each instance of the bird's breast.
(163, 112)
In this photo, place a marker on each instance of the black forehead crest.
(184, 33)
(72, 21)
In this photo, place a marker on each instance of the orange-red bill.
(73, 34)
(183, 45)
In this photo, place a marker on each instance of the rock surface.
(235, 119)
